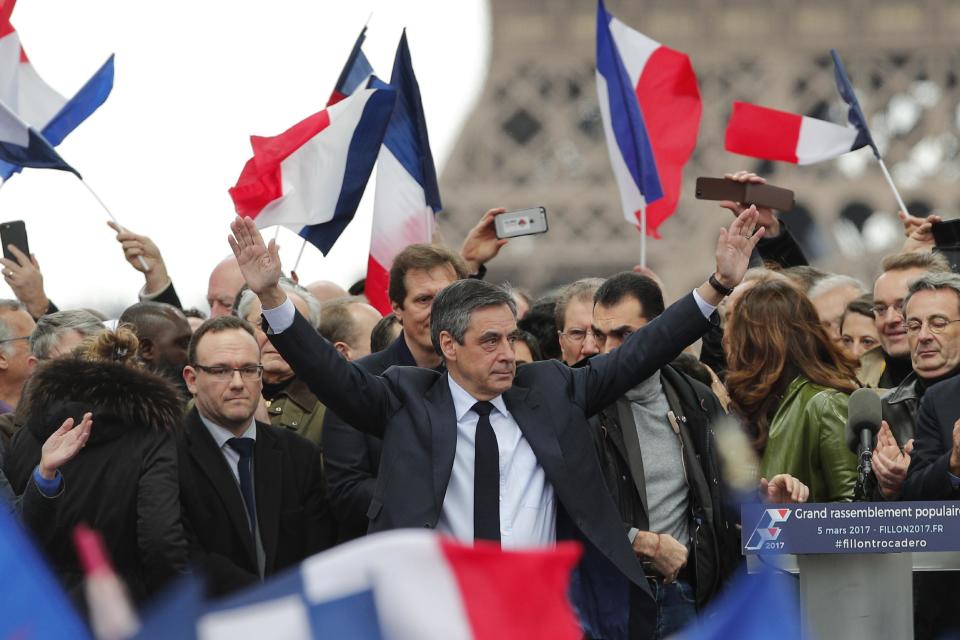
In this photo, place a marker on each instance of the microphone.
(864, 414)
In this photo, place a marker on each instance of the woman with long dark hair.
(790, 382)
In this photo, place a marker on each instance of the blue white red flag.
(311, 177)
(650, 105)
(855, 114)
(404, 585)
(21, 146)
(770, 134)
(355, 72)
(33, 605)
(407, 194)
(35, 102)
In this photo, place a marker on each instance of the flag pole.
(143, 263)
(299, 255)
(893, 187)
(643, 238)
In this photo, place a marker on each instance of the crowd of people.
(296, 418)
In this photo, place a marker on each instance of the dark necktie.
(244, 446)
(486, 478)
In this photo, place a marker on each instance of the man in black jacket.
(530, 479)
(252, 495)
(656, 448)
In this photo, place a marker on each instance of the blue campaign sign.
(859, 527)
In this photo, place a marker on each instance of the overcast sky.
(193, 81)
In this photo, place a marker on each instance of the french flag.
(21, 146)
(650, 106)
(25, 93)
(407, 194)
(310, 178)
(760, 132)
(355, 72)
(402, 585)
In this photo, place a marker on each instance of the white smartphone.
(524, 222)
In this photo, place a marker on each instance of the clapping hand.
(890, 464)
(63, 444)
(783, 489)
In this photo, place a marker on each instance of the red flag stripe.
(765, 133)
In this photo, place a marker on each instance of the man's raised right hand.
(259, 263)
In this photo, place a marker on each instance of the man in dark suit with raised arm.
(486, 451)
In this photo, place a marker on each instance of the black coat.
(352, 457)
(292, 510)
(715, 540)
(928, 477)
(412, 410)
(123, 483)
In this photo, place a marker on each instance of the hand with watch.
(734, 247)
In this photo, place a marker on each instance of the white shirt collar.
(221, 435)
(463, 401)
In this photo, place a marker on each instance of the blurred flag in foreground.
(407, 194)
(310, 178)
(650, 105)
(25, 93)
(769, 134)
(403, 585)
(752, 607)
(33, 606)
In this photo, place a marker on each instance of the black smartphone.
(521, 223)
(15, 233)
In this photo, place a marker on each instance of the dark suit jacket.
(412, 410)
(352, 458)
(928, 477)
(292, 509)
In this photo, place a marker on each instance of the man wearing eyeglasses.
(253, 497)
(574, 317)
(889, 292)
(927, 467)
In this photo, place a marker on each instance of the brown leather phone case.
(762, 195)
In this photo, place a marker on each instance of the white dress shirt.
(528, 506)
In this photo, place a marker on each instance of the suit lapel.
(542, 435)
(443, 436)
(631, 441)
(268, 480)
(203, 449)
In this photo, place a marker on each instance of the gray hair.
(291, 288)
(934, 282)
(54, 325)
(581, 290)
(835, 281)
(454, 305)
(6, 333)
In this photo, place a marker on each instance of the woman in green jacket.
(790, 382)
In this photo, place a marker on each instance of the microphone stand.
(864, 487)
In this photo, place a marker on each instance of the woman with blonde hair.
(790, 382)
(124, 481)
